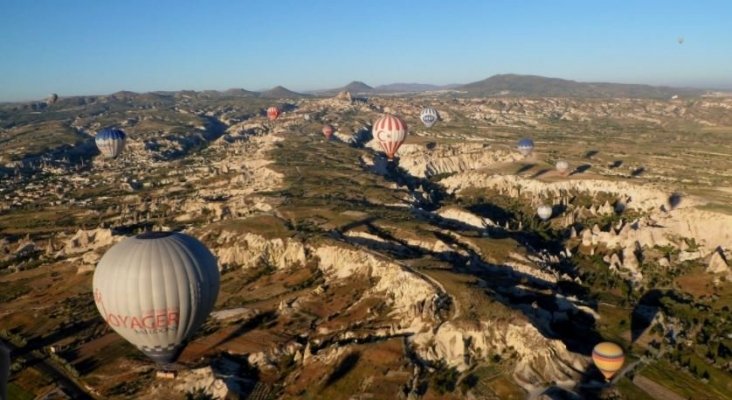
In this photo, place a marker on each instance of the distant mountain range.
(523, 86)
(539, 86)
(358, 87)
(495, 86)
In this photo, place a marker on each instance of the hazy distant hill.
(412, 88)
(355, 87)
(539, 86)
(238, 92)
(279, 92)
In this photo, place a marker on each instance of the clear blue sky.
(102, 46)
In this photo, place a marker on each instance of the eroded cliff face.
(415, 306)
(660, 224)
(426, 161)
(412, 298)
(248, 250)
(537, 359)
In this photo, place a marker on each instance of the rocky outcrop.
(426, 161)
(88, 240)
(659, 228)
(538, 359)
(407, 294)
(189, 381)
(249, 250)
(718, 263)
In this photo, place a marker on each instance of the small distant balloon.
(390, 131)
(525, 146)
(680, 40)
(429, 116)
(544, 212)
(52, 98)
(328, 131)
(562, 167)
(674, 200)
(273, 112)
(110, 142)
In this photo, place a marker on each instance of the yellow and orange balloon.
(608, 358)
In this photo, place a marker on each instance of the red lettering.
(136, 324)
(112, 320)
(161, 321)
(148, 318)
(173, 318)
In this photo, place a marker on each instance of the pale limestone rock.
(717, 263)
(192, 379)
(248, 250)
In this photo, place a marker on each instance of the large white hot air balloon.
(429, 116)
(390, 131)
(110, 142)
(544, 212)
(155, 290)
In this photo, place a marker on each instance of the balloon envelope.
(110, 142)
(525, 146)
(544, 212)
(155, 290)
(429, 116)
(562, 166)
(328, 131)
(608, 358)
(390, 131)
(273, 112)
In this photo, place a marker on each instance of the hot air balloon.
(328, 131)
(680, 40)
(544, 212)
(608, 358)
(562, 167)
(674, 200)
(111, 141)
(429, 116)
(525, 146)
(52, 98)
(155, 290)
(273, 112)
(390, 131)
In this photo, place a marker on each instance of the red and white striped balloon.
(273, 112)
(390, 131)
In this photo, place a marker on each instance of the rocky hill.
(538, 86)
